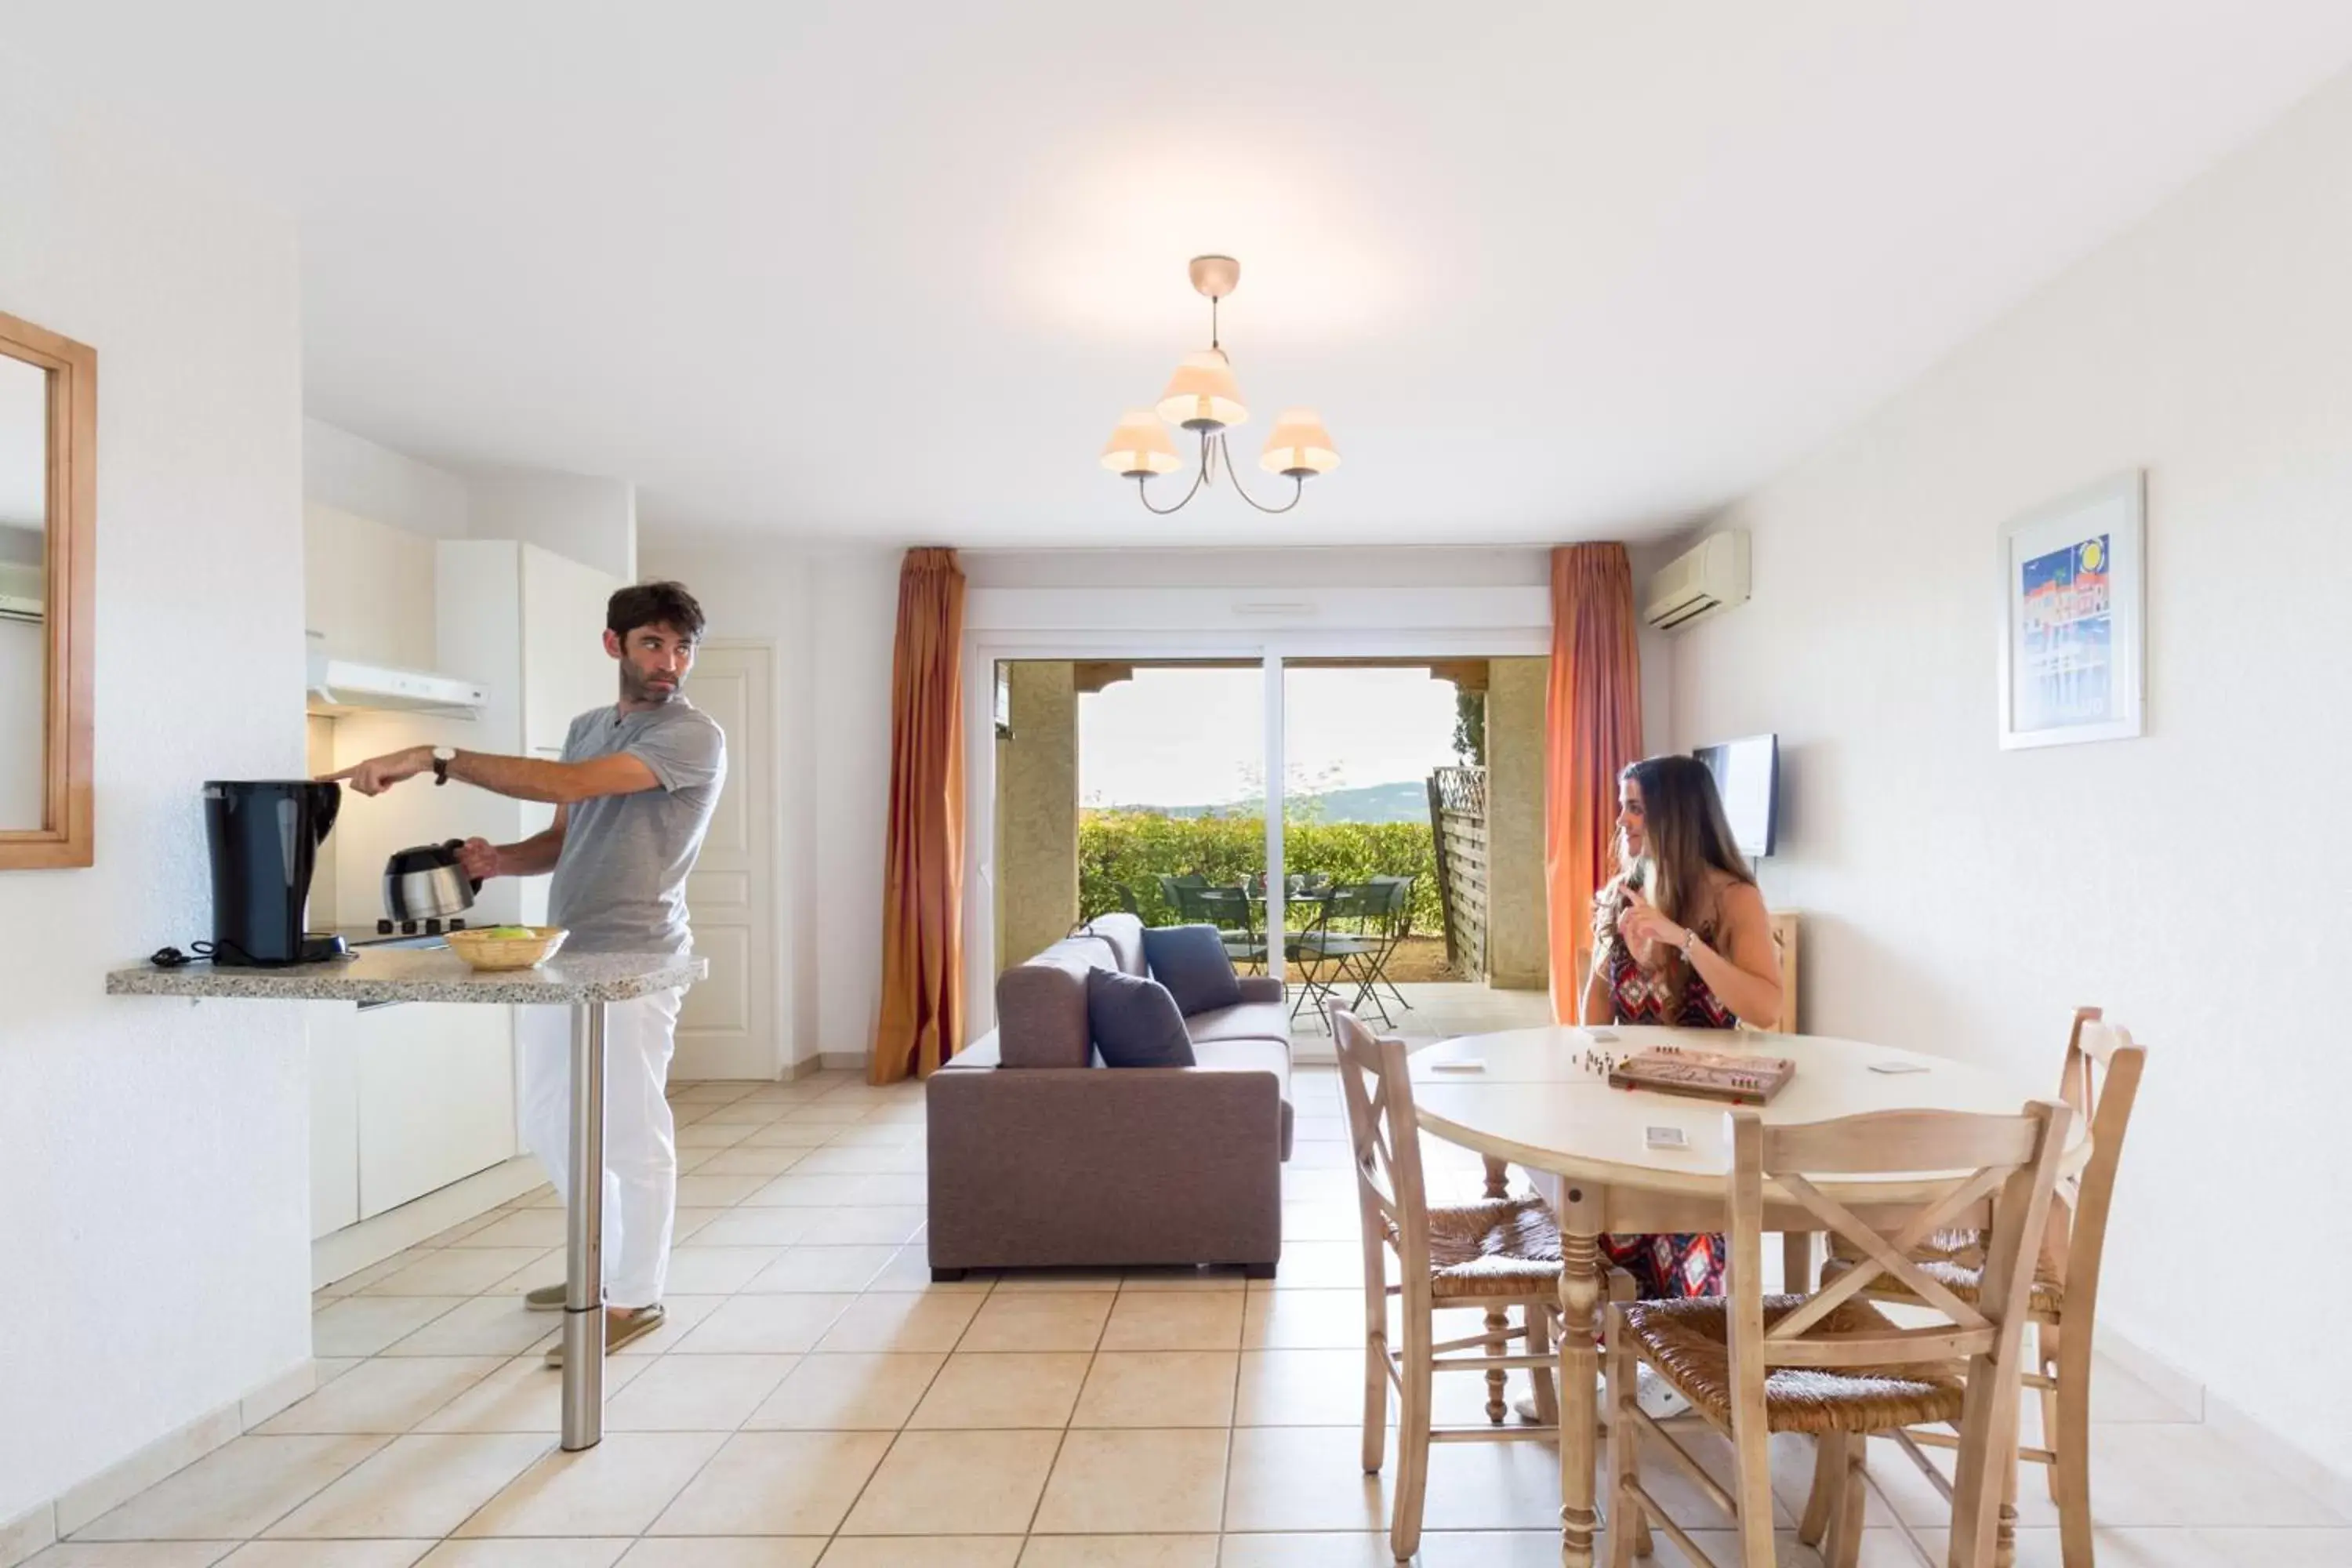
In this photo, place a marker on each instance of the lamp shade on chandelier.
(1204, 398)
(1140, 448)
(1201, 394)
(1299, 445)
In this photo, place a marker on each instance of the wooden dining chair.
(1831, 1364)
(2099, 1082)
(1495, 1254)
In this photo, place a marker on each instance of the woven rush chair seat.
(1506, 1247)
(1952, 1258)
(1689, 1342)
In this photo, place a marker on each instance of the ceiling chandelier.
(1203, 397)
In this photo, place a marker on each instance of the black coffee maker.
(265, 835)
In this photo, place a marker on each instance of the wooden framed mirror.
(48, 523)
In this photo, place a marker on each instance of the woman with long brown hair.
(1681, 937)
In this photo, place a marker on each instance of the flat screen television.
(1748, 775)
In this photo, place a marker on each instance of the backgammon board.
(1737, 1077)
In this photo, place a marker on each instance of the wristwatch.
(442, 757)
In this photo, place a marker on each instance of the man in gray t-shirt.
(633, 794)
(620, 877)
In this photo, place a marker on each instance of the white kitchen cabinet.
(436, 1091)
(530, 624)
(403, 1099)
(334, 1118)
(565, 668)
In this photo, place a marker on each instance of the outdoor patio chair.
(1230, 911)
(1327, 958)
(1389, 927)
(1172, 890)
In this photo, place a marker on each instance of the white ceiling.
(892, 270)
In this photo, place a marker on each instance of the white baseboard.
(28, 1534)
(33, 1532)
(808, 1067)
(2179, 1388)
(339, 1254)
(2230, 1421)
(2281, 1453)
(842, 1061)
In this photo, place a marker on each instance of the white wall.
(352, 474)
(831, 616)
(367, 588)
(2193, 882)
(593, 520)
(1353, 567)
(856, 604)
(154, 1157)
(1198, 587)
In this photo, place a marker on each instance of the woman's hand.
(1644, 927)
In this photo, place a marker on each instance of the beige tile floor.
(816, 1400)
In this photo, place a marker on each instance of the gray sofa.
(1042, 1157)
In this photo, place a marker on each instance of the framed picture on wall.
(2073, 640)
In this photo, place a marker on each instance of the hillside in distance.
(1407, 801)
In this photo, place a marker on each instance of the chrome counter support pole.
(584, 1248)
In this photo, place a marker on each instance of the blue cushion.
(1192, 963)
(1135, 1022)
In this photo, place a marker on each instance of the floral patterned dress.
(1670, 1266)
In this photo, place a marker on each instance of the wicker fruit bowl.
(508, 947)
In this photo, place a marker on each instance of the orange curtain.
(922, 1021)
(1593, 727)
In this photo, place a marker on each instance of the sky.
(1196, 737)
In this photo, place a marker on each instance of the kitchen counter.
(429, 971)
(401, 974)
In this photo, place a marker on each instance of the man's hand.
(481, 860)
(378, 774)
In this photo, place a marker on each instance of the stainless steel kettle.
(427, 882)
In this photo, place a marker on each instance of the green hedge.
(1133, 849)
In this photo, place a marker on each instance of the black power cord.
(173, 958)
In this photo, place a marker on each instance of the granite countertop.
(423, 974)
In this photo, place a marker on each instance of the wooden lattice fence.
(1457, 820)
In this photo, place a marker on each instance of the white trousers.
(640, 1145)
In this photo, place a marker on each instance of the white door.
(726, 1027)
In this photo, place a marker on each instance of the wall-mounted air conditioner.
(1709, 577)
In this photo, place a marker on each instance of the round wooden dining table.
(1540, 1099)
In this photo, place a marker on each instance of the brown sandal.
(634, 1327)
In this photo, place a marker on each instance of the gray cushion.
(1192, 961)
(1040, 1006)
(1248, 1021)
(1250, 1055)
(1135, 1022)
(1125, 934)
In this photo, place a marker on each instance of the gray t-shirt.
(620, 882)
